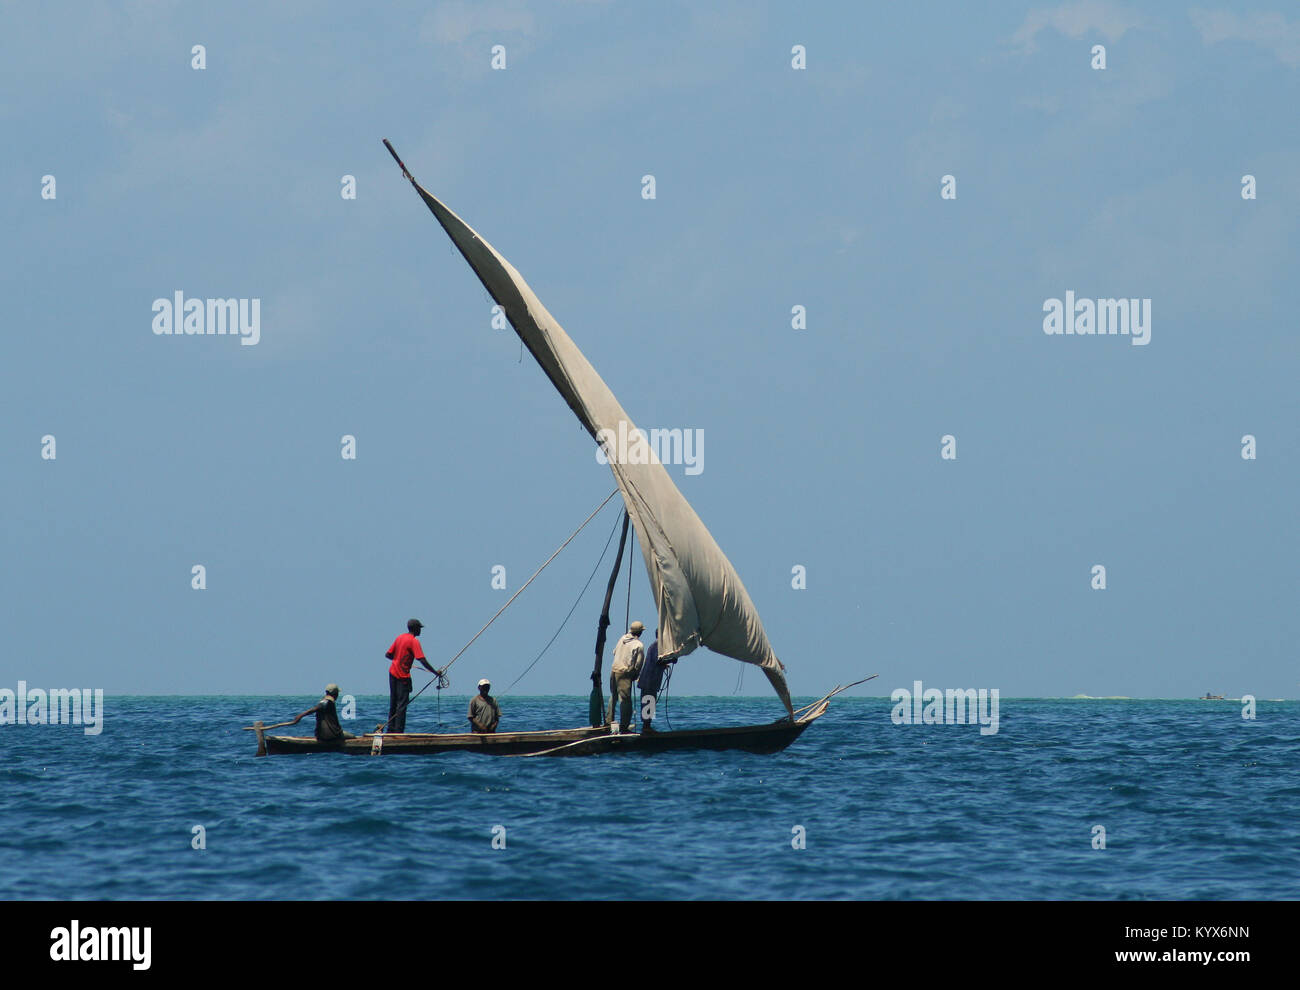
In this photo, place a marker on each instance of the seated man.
(484, 713)
(327, 719)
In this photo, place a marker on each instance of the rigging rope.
(571, 611)
(440, 675)
(668, 678)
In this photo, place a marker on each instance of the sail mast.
(597, 707)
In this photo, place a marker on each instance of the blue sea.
(1195, 802)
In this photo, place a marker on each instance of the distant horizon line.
(882, 697)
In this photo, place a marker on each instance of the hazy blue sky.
(775, 187)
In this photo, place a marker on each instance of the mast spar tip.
(400, 163)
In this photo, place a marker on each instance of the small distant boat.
(1211, 697)
(699, 597)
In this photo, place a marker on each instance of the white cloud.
(1269, 31)
(1075, 20)
(452, 23)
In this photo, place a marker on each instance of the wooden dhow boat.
(699, 597)
(583, 741)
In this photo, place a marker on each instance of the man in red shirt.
(404, 652)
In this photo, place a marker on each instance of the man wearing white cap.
(484, 713)
(629, 655)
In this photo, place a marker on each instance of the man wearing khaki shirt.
(629, 655)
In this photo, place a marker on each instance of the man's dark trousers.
(399, 694)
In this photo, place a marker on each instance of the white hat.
(485, 683)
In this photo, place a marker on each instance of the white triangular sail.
(700, 597)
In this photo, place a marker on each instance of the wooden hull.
(770, 738)
(429, 743)
(751, 738)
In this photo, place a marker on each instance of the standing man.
(629, 655)
(652, 677)
(484, 713)
(327, 718)
(405, 650)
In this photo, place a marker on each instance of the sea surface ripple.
(1196, 802)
